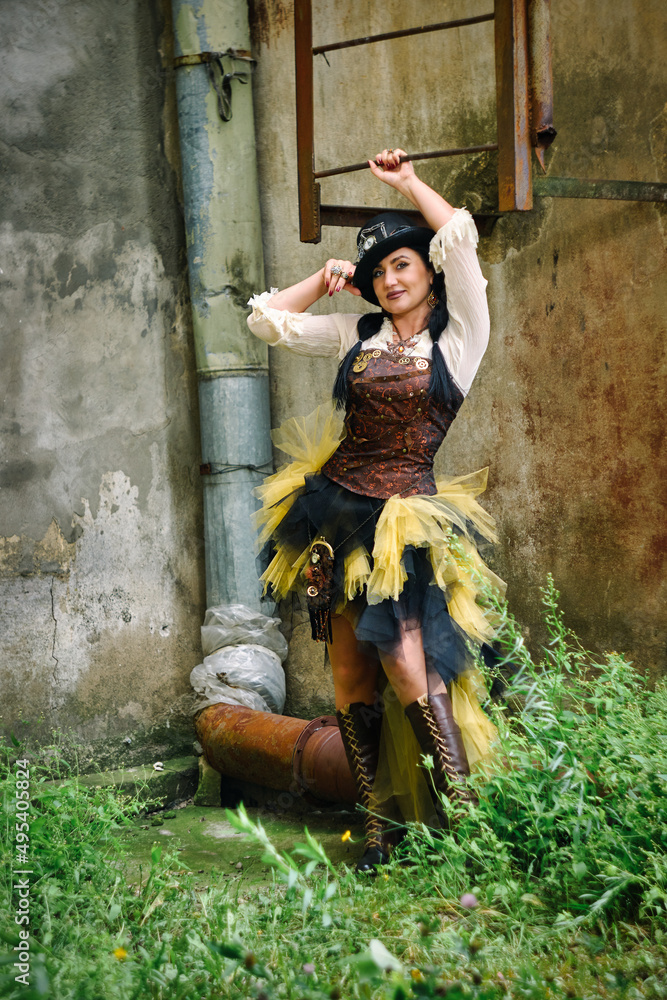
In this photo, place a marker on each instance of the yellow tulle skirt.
(374, 574)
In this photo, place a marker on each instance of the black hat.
(382, 234)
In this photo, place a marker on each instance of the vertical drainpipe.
(225, 263)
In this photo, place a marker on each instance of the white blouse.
(463, 342)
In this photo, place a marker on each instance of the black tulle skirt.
(322, 508)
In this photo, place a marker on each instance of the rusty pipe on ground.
(294, 755)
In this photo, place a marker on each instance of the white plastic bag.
(242, 665)
(233, 624)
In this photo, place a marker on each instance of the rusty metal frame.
(388, 35)
(436, 154)
(355, 216)
(515, 189)
(513, 115)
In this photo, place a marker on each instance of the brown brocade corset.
(393, 428)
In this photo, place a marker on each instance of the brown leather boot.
(360, 726)
(439, 736)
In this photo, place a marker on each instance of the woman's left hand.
(387, 167)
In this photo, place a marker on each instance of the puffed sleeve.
(465, 339)
(318, 336)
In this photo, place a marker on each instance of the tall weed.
(573, 816)
(554, 887)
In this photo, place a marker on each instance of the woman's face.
(402, 281)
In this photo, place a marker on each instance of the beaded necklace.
(404, 346)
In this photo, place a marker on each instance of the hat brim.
(417, 237)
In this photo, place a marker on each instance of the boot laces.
(456, 785)
(373, 826)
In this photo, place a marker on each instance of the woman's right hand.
(336, 282)
(387, 167)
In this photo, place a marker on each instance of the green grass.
(565, 855)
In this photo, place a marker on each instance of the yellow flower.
(120, 954)
(417, 975)
(385, 875)
(346, 836)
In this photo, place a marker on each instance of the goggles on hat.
(375, 234)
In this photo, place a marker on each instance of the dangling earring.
(432, 300)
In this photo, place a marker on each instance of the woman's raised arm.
(387, 167)
(281, 318)
(333, 277)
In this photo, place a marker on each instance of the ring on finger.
(336, 269)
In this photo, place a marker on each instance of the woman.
(383, 551)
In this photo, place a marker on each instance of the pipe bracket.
(220, 81)
(221, 469)
(197, 58)
(300, 784)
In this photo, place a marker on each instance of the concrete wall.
(101, 589)
(568, 406)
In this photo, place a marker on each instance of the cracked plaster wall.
(101, 580)
(568, 406)
(101, 560)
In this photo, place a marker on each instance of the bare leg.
(354, 672)
(406, 671)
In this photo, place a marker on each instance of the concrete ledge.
(175, 783)
(194, 778)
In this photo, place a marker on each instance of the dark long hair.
(441, 386)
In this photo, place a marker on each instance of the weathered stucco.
(101, 553)
(568, 406)
(101, 565)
